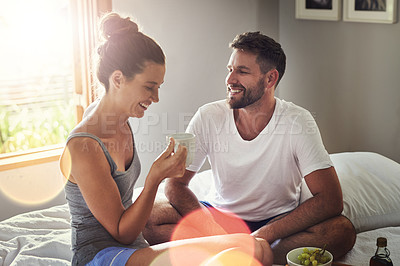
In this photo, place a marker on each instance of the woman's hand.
(169, 163)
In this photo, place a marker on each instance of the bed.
(371, 193)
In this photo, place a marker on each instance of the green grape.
(312, 257)
(324, 259)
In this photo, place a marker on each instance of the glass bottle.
(381, 257)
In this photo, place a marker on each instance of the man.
(271, 146)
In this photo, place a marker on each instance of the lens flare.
(194, 225)
(236, 249)
(222, 250)
(232, 257)
(32, 185)
(182, 256)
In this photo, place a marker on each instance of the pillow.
(370, 185)
(371, 189)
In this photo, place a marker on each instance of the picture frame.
(383, 11)
(319, 9)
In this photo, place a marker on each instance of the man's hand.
(327, 199)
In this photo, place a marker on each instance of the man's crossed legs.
(337, 233)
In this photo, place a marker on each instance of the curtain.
(85, 15)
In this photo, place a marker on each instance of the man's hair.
(269, 53)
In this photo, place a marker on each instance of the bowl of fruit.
(309, 256)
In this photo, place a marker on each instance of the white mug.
(185, 139)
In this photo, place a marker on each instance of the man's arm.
(326, 203)
(185, 201)
(179, 194)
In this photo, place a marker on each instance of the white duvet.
(37, 238)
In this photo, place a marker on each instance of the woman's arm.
(91, 171)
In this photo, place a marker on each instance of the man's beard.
(250, 95)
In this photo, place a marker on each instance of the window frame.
(84, 15)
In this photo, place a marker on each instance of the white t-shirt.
(261, 178)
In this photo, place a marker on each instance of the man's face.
(245, 82)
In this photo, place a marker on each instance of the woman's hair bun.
(113, 24)
(124, 48)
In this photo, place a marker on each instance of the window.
(45, 80)
(35, 74)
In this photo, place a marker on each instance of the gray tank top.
(88, 235)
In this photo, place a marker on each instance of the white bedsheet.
(37, 238)
(365, 246)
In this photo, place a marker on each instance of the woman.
(102, 166)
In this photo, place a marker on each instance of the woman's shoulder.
(81, 152)
(84, 144)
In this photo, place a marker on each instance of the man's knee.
(341, 233)
(339, 230)
(163, 213)
(161, 223)
(349, 233)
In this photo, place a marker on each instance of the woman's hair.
(269, 53)
(124, 48)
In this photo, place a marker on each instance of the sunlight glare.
(232, 257)
(36, 45)
(37, 187)
(36, 32)
(230, 223)
(182, 256)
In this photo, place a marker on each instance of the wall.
(347, 74)
(194, 36)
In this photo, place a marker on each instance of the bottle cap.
(381, 242)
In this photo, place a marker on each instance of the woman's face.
(141, 91)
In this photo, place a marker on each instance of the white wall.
(347, 74)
